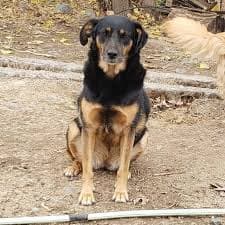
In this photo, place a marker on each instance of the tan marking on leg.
(88, 142)
(92, 116)
(127, 141)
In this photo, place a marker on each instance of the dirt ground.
(185, 153)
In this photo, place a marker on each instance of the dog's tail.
(194, 37)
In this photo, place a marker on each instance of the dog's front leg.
(88, 143)
(126, 145)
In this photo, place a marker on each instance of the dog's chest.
(110, 119)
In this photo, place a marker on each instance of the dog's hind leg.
(73, 147)
(140, 147)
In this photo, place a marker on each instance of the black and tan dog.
(113, 107)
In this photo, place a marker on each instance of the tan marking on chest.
(115, 118)
(124, 117)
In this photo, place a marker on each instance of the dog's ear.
(86, 30)
(141, 35)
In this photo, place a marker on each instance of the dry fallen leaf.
(82, 12)
(204, 66)
(9, 37)
(132, 17)
(60, 32)
(216, 7)
(5, 51)
(63, 40)
(35, 42)
(48, 24)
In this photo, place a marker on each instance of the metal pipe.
(114, 215)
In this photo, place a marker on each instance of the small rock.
(180, 70)
(69, 190)
(23, 6)
(168, 58)
(90, 13)
(215, 221)
(142, 201)
(35, 209)
(63, 8)
(179, 120)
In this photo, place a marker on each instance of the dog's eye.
(107, 31)
(122, 34)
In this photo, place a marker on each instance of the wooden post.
(120, 5)
(222, 5)
(149, 3)
(169, 3)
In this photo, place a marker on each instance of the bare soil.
(185, 152)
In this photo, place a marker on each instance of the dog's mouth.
(112, 67)
(113, 61)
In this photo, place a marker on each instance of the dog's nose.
(112, 54)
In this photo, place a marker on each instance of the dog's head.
(117, 38)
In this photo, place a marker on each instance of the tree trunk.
(120, 6)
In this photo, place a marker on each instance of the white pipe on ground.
(156, 213)
(114, 215)
(38, 219)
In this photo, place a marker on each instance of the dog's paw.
(86, 198)
(72, 171)
(120, 196)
